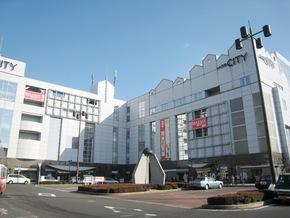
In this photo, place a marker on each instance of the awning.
(199, 165)
(70, 168)
(176, 170)
(255, 166)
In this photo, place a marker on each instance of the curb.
(238, 206)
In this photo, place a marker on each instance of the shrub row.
(243, 197)
(113, 188)
(124, 187)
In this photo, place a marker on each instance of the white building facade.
(214, 118)
(43, 121)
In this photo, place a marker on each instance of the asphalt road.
(29, 201)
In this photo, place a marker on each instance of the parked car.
(282, 187)
(48, 178)
(74, 180)
(206, 183)
(17, 178)
(109, 180)
(264, 182)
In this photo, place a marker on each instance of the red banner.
(34, 96)
(199, 123)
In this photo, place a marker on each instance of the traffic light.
(238, 43)
(259, 43)
(244, 32)
(267, 30)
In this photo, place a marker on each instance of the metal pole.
(78, 152)
(273, 176)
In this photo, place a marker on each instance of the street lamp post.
(247, 34)
(79, 117)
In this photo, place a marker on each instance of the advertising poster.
(164, 139)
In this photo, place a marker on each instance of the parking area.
(180, 198)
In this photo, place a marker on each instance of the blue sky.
(65, 41)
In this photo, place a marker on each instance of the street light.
(247, 34)
(79, 116)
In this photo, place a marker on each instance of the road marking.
(27, 217)
(138, 210)
(150, 214)
(3, 211)
(47, 195)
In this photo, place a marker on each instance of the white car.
(16, 178)
(48, 178)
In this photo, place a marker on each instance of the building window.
(212, 91)
(141, 138)
(199, 95)
(201, 131)
(179, 102)
(164, 107)
(8, 90)
(152, 135)
(116, 113)
(128, 114)
(89, 143)
(142, 109)
(182, 139)
(152, 110)
(5, 126)
(115, 145)
(244, 81)
(127, 145)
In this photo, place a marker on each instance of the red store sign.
(199, 123)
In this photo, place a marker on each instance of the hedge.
(243, 197)
(124, 187)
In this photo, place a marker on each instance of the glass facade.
(142, 109)
(141, 138)
(127, 145)
(153, 135)
(115, 145)
(8, 90)
(89, 142)
(65, 105)
(5, 126)
(182, 139)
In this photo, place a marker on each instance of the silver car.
(206, 183)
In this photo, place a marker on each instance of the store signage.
(6, 65)
(164, 139)
(199, 123)
(267, 61)
(34, 96)
(233, 61)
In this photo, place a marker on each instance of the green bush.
(243, 197)
(113, 188)
(173, 185)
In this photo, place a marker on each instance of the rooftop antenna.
(115, 80)
(92, 80)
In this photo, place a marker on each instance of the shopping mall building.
(209, 123)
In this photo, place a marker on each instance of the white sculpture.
(148, 170)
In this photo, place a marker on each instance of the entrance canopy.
(70, 168)
(199, 165)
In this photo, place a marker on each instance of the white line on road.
(138, 210)
(3, 211)
(150, 214)
(47, 195)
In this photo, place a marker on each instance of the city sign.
(6, 65)
(233, 61)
